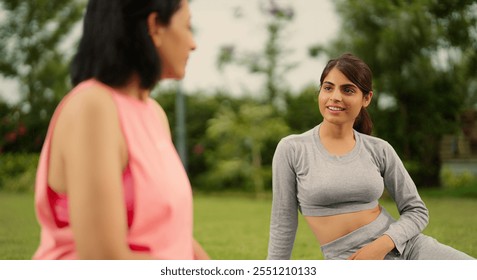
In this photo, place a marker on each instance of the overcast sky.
(315, 21)
(216, 25)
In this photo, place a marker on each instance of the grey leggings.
(420, 247)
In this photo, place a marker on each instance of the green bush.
(17, 172)
(452, 180)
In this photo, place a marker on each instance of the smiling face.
(340, 100)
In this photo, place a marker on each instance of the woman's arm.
(199, 252)
(92, 154)
(284, 216)
(414, 215)
(376, 250)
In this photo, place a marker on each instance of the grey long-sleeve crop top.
(308, 179)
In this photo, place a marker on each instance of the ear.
(155, 29)
(367, 99)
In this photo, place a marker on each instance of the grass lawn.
(19, 231)
(236, 227)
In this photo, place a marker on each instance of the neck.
(338, 140)
(338, 132)
(133, 89)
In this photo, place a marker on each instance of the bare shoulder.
(162, 114)
(88, 121)
(89, 102)
(90, 112)
(160, 110)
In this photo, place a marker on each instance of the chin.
(173, 76)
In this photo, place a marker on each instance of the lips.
(335, 108)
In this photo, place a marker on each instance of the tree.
(230, 140)
(243, 134)
(269, 62)
(33, 34)
(423, 57)
(302, 109)
(201, 108)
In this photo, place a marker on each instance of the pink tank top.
(158, 196)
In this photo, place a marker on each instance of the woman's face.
(176, 43)
(340, 100)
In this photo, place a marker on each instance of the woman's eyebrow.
(348, 85)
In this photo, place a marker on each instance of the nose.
(193, 45)
(336, 95)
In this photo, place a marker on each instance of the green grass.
(235, 227)
(19, 231)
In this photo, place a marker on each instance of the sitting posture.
(334, 175)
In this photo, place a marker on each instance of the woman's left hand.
(199, 252)
(375, 250)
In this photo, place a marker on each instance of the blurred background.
(254, 79)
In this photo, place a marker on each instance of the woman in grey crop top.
(334, 175)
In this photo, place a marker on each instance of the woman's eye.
(349, 90)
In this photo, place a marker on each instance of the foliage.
(423, 57)
(203, 147)
(452, 180)
(302, 110)
(241, 135)
(17, 172)
(244, 137)
(10, 128)
(200, 107)
(33, 34)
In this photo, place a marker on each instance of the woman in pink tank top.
(110, 184)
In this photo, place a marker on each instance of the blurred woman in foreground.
(110, 184)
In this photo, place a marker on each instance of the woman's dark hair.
(358, 72)
(116, 41)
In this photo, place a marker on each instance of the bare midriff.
(329, 228)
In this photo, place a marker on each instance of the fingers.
(353, 256)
